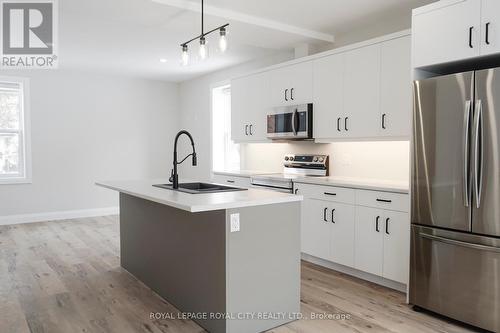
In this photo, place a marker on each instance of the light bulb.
(203, 49)
(223, 40)
(184, 56)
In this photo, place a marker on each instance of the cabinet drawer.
(232, 180)
(328, 193)
(385, 200)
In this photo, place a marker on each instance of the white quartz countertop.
(358, 183)
(198, 202)
(240, 173)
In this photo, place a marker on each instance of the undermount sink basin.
(198, 188)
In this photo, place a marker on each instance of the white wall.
(89, 127)
(195, 113)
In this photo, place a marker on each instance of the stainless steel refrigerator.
(455, 237)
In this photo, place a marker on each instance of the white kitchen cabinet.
(316, 230)
(369, 242)
(291, 85)
(249, 108)
(396, 249)
(395, 88)
(382, 239)
(490, 27)
(328, 73)
(361, 92)
(231, 180)
(447, 31)
(342, 234)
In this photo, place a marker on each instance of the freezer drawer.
(457, 275)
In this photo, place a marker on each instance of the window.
(225, 153)
(14, 141)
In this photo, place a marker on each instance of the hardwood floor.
(65, 277)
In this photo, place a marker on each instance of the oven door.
(291, 122)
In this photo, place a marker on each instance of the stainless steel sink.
(198, 188)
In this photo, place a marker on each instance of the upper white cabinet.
(454, 30)
(249, 107)
(328, 108)
(395, 88)
(364, 93)
(291, 85)
(490, 26)
(361, 92)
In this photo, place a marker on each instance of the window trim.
(25, 131)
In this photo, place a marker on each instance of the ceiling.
(130, 36)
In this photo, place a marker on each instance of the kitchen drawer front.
(232, 180)
(385, 200)
(328, 193)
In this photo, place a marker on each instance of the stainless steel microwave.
(291, 123)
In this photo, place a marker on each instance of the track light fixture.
(203, 50)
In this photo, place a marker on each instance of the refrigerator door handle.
(460, 243)
(466, 157)
(478, 152)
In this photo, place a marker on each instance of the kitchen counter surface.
(358, 183)
(240, 173)
(198, 202)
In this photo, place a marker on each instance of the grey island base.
(235, 282)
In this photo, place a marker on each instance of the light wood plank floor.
(65, 277)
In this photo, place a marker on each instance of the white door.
(396, 246)
(395, 88)
(328, 82)
(249, 107)
(342, 240)
(362, 92)
(490, 27)
(291, 85)
(316, 230)
(368, 251)
(448, 33)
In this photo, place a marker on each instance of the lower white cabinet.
(381, 244)
(366, 230)
(328, 230)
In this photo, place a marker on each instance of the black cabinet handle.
(387, 226)
(338, 124)
(333, 210)
(250, 127)
(345, 123)
(230, 181)
(246, 129)
(296, 191)
(328, 193)
(324, 214)
(291, 94)
(286, 95)
(471, 29)
(383, 121)
(384, 200)
(377, 229)
(488, 33)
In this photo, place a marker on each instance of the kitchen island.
(230, 260)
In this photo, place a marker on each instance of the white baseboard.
(356, 273)
(54, 216)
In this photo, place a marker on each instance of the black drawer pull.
(230, 181)
(328, 193)
(384, 200)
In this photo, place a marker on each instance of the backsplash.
(386, 160)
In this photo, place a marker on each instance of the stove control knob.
(291, 158)
(321, 159)
(286, 158)
(315, 159)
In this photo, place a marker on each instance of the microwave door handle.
(294, 119)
